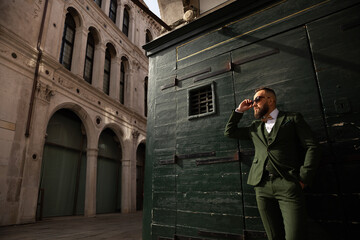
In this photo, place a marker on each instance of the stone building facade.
(72, 107)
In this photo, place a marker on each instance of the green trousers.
(281, 205)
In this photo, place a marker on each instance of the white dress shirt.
(271, 122)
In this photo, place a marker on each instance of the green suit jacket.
(291, 147)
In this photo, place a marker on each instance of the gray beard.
(261, 113)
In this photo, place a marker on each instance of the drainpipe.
(36, 75)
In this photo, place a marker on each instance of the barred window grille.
(201, 101)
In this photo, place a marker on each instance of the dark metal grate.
(201, 101)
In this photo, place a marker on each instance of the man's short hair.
(266, 89)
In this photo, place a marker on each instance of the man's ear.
(272, 101)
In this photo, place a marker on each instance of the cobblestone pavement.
(110, 226)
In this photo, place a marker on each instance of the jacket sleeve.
(312, 150)
(233, 131)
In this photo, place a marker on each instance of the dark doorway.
(140, 163)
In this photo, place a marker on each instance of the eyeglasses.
(258, 99)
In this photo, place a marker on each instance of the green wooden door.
(64, 166)
(108, 190)
(335, 42)
(208, 180)
(284, 63)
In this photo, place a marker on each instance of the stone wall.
(32, 78)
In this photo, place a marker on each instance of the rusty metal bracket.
(216, 160)
(206, 70)
(168, 162)
(256, 57)
(176, 158)
(173, 84)
(228, 68)
(196, 155)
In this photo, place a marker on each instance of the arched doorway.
(108, 190)
(62, 183)
(140, 166)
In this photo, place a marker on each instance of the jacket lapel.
(277, 125)
(260, 132)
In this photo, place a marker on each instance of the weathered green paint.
(309, 52)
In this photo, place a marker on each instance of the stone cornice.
(17, 51)
(15, 41)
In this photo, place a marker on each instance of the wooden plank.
(208, 221)
(164, 183)
(163, 216)
(162, 116)
(189, 167)
(230, 182)
(165, 199)
(162, 231)
(210, 202)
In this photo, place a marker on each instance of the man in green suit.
(285, 161)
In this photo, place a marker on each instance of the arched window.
(67, 45)
(98, 2)
(126, 22)
(148, 36)
(89, 58)
(106, 83)
(122, 82)
(145, 96)
(113, 9)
